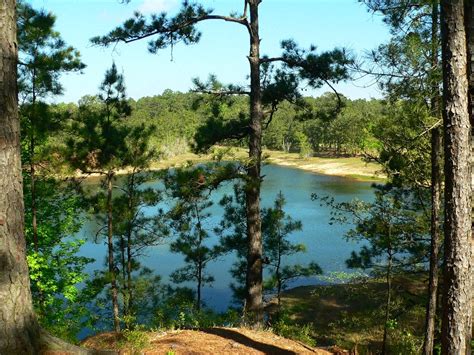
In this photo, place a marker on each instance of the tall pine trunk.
(457, 307)
(254, 301)
(19, 330)
(469, 20)
(110, 242)
(436, 188)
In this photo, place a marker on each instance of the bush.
(135, 340)
(290, 329)
(404, 342)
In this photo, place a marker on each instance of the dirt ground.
(222, 341)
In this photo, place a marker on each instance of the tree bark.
(457, 296)
(254, 302)
(19, 330)
(428, 343)
(436, 188)
(110, 242)
(469, 20)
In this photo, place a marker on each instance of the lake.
(325, 243)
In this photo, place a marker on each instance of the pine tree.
(277, 227)
(98, 145)
(19, 330)
(458, 245)
(413, 72)
(189, 217)
(395, 230)
(43, 57)
(316, 69)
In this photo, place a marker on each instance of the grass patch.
(351, 315)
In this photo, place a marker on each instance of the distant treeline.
(322, 125)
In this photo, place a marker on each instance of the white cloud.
(151, 6)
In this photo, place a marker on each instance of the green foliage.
(135, 340)
(56, 271)
(324, 125)
(405, 342)
(393, 225)
(303, 144)
(232, 231)
(43, 54)
(98, 136)
(286, 327)
(277, 226)
(405, 150)
(178, 311)
(190, 188)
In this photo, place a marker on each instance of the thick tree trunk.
(457, 306)
(469, 18)
(110, 242)
(254, 302)
(436, 188)
(19, 330)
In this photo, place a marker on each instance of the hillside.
(235, 341)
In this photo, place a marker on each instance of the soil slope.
(235, 341)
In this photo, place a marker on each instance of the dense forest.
(77, 178)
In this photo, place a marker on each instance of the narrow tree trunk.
(129, 242)
(124, 275)
(388, 300)
(129, 272)
(428, 343)
(34, 224)
(457, 306)
(278, 274)
(200, 264)
(32, 165)
(198, 301)
(19, 330)
(436, 186)
(110, 241)
(254, 302)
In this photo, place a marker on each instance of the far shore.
(348, 167)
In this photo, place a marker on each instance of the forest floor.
(351, 315)
(218, 340)
(350, 167)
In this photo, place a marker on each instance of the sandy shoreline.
(352, 167)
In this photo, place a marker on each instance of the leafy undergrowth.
(351, 315)
(217, 340)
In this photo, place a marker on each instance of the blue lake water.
(325, 243)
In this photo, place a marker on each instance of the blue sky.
(222, 49)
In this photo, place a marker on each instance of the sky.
(223, 48)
